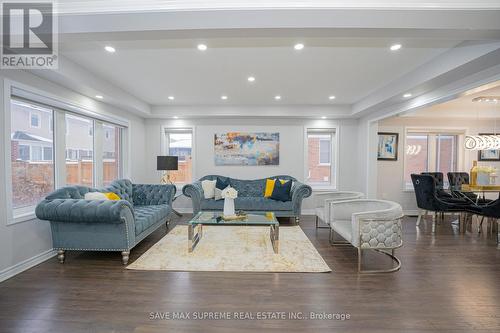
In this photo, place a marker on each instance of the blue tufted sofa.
(105, 225)
(250, 197)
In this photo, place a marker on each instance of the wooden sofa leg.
(297, 220)
(61, 256)
(125, 257)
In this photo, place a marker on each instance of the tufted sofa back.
(248, 188)
(124, 189)
(70, 192)
(146, 195)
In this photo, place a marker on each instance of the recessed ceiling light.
(202, 47)
(331, 97)
(324, 117)
(407, 95)
(251, 79)
(224, 97)
(171, 98)
(298, 46)
(395, 47)
(110, 49)
(175, 117)
(277, 97)
(99, 96)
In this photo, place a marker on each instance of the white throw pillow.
(208, 187)
(95, 196)
(218, 194)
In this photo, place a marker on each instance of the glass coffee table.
(195, 226)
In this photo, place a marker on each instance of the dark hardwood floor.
(449, 282)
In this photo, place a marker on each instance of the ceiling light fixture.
(251, 79)
(171, 98)
(407, 95)
(110, 49)
(331, 97)
(277, 97)
(298, 46)
(395, 47)
(99, 96)
(484, 141)
(324, 117)
(202, 47)
(223, 97)
(175, 117)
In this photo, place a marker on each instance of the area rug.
(233, 249)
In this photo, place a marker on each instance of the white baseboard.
(9, 272)
(307, 212)
(411, 212)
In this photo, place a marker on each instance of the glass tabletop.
(215, 218)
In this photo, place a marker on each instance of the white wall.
(390, 173)
(26, 243)
(291, 149)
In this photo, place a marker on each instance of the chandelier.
(484, 141)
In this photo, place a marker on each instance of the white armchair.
(368, 225)
(322, 201)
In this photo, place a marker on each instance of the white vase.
(229, 207)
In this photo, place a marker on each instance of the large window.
(79, 150)
(31, 151)
(427, 151)
(320, 158)
(111, 153)
(179, 142)
(51, 147)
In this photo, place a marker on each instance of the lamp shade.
(167, 163)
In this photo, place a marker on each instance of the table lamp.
(167, 163)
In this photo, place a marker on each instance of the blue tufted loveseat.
(250, 197)
(105, 225)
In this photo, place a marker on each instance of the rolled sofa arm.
(195, 192)
(299, 192)
(153, 194)
(80, 210)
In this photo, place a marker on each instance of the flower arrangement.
(484, 174)
(229, 193)
(485, 169)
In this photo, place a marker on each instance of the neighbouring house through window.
(34, 138)
(31, 147)
(179, 142)
(320, 162)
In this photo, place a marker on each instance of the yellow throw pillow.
(112, 196)
(270, 186)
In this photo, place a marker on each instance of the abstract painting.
(239, 148)
(387, 146)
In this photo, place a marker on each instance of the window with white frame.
(32, 151)
(80, 165)
(111, 153)
(430, 151)
(321, 166)
(179, 142)
(31, 158)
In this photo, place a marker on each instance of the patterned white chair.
(322, 201)
(368, 225)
